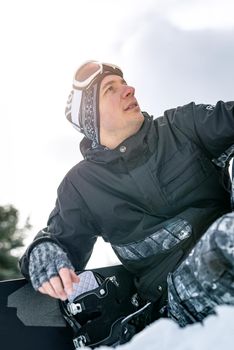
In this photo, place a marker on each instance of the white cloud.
(200, 14)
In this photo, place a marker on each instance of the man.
(151, 188)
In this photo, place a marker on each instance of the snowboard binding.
(99, 314)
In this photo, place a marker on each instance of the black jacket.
(152, 197)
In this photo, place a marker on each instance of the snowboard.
(30, 320)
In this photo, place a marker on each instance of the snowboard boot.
(205, 278)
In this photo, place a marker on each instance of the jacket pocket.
(184, 172)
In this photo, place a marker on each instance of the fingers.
(75, 278)
(54, 288)
(60, 287)
(68, 277)
(47, 288)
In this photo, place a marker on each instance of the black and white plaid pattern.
(223, 160)
(89, 114)
(206, 278)
(45, 261)
(166, 238)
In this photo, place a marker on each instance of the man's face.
(118, 107)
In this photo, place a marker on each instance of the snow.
(216, 333)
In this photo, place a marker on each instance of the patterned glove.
(45, 261)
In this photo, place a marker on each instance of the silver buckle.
(79, 342)
(74, 308)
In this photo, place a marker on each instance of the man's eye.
(109, 89)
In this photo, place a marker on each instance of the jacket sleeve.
(70, 225)
(212, 127)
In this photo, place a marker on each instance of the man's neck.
(113, 140)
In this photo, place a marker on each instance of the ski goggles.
(91, 70)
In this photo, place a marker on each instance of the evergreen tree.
(11, 238)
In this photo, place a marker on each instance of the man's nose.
(128, 91)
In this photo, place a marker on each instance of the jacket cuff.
(42, 236)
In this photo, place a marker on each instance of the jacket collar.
(128, 149)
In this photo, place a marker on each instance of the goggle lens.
(86, 71)
(85, 75)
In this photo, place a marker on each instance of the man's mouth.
(131, 106)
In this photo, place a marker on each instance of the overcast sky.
(172, 51)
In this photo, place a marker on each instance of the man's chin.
(139, 113)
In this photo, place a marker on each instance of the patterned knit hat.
(82, 108)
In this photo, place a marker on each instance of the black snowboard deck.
(32, 321)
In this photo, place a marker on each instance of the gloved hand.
(50, 270)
